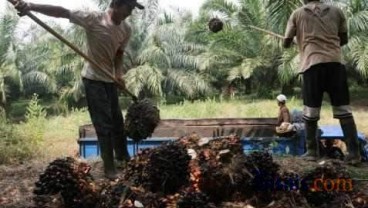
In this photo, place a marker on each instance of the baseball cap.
(281, 98)
(134, 3)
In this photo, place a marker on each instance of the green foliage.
(5, 128)
(173, 55)
(167, 63)
(23, 141)
(11, 147)
(34, 110)
(33, 129)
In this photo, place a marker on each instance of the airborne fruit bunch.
(215, 25)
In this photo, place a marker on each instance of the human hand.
(295, 41)
(22, 7)
(120, 83)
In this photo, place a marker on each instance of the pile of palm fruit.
(201, 173)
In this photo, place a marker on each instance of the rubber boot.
(107, 156)
(312, 144)
(121, 150)
(349, 130)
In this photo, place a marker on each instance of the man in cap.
(284, 127)
(284, 114)
(320, 31)
(107, 36)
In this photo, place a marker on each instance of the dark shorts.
(330, 78)
(104, 109)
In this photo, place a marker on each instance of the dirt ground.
(17, 181)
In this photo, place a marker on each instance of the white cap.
(281, 98)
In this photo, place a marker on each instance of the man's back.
(317, 27)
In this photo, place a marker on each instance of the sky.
(168, 5)
(193, 5)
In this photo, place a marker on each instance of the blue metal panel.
(89, 146)
(335, 131)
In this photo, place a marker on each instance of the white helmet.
(281, 98)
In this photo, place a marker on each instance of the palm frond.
(246, 68)
(279, 12)
(222, 6)
(36, 77)
(186, 82)
(7, 27)
(144, 76)
(358, 54)
(358, 22)
(289, 67)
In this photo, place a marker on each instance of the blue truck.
(255, 133)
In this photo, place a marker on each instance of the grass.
(61, 134)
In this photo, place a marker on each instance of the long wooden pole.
(73, 47)
(267, 31)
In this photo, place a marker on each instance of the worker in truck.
(320, 31)
(107, 35)
(284, 114)
(284, 127)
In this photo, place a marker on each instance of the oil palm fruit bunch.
(323, 184)
(217, 170)
(141, 119)
(69, 178)
(191, 198)
(134, 172)
(215, 25)
(167, 169)
(231, 143)
(288, 181)
(218, 174)
(264, 170)
(113, 195)
(154, 200)
(190, 141)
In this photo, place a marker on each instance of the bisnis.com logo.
(303, 184)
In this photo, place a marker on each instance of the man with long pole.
(107, 36)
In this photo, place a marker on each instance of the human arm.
(49, 10)
(343, 38)
(290, 32)
(343, 29)
(119, 57)
(118, 63)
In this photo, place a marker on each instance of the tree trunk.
(248, 86)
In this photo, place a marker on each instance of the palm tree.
(356, 52)
(166, 63)
(8, 24)
(238, 52)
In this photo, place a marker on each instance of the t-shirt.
(104, 39)
(316, 27)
